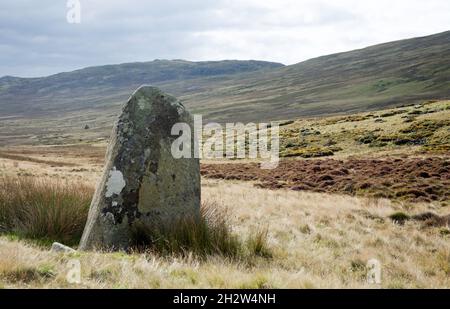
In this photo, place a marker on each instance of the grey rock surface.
(57, 247)
(142, 182)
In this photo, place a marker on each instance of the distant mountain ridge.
(73, 90)
(376, 77)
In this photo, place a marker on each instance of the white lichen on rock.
(142, 103)
(115, 183)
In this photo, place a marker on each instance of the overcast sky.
(37, 40)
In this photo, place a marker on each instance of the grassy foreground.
(315, 240)
(43, 210)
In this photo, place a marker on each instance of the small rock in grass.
(57, 247)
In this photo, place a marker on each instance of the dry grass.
(16, 157)
(292, 239)
(43, 209)
(316, 240)
(209, 234)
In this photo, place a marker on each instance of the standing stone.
(142, 182)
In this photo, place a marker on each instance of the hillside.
(55, 109)
(95, 86)
(376, 77)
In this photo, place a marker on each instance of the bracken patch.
(410, 179)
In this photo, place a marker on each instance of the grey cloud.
(36, 40)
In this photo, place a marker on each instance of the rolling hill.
(94, 86)
(56, 108)
(376, 77)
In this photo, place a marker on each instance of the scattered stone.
(57, 247)
(142, 183)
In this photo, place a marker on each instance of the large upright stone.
(142, 182)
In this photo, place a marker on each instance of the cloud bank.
(36, 40)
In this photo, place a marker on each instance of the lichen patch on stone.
(115, 183)
(109, 217)
(146, 153)
(142, 103)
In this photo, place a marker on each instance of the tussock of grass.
(310, 152)
(428, 218)
(399, 217)
(209, 234)
(257, 244)
(27, 274)
(43, 209)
